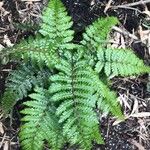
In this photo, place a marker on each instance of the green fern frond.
(70, 81)
(120, 62)
(38, 50)
(20, 82)
(57, 37)
(94, 37)
(96, 34)
(57, 24)
(72, 88)
(7, 101)
(106, 99)
(40, 123)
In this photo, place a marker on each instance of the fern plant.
(70, 81)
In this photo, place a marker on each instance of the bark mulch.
(20, 18)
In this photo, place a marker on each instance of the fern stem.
(76, 114)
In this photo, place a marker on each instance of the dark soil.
(118, 137)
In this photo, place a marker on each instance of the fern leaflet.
(119, 62)
(96, 34)
(70, 81)
(56, 25)
(40, 124)
(72, 88)
(20, 82)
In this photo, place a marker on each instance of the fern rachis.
(76, 110)
(67, 81)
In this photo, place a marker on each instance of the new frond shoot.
(66, 84)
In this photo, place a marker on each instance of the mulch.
(19, 19)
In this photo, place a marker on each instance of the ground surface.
(19, 19)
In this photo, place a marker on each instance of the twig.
(132, 4)
(125, 33)
(108, 6)
(2, 141)
(138, 145)
(125, 7)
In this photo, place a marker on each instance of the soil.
(19, 20)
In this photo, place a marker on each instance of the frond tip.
(120, 62)
(107, 99)
(40, 123)
(96, 34)
(20, 82)
(57, 24)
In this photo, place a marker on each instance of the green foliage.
(56, 25)
(25, 26)
(96, 34)
(70, 81)
(55, 36)
(41, 123)
(21, 81)
(72, 89)
(119, 62)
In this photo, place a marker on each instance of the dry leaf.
(7, 41)
(1, 115)
(108, 5)
(123, 99)
(138, 145)
(135, 107)
(142, 114)
(1, 128)
(122, 40)
(1, 4)
(146, 11)
(144, 34)
(6, 145)
(117, 122)
(115, 40)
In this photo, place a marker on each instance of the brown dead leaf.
(142, 126)
(144, 34)
(115, 40)
(92, 2)
(2, 141)
(122, 41)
